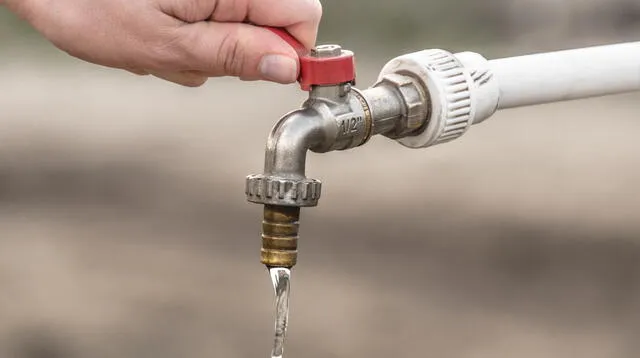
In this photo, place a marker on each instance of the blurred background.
(124, 230)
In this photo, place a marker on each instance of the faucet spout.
(333, 118)
(289, 141)
(283, 187)
(283, 182)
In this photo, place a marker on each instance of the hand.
(183, 41)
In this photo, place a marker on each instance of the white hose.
(567, 75)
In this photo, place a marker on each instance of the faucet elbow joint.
(333, 118)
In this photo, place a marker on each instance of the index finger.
(300, 17)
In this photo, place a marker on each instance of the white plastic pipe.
(466, 89)
(567, 75)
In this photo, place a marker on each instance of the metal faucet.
(420, 99)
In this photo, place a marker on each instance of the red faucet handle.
(325, 65)
(288, 38)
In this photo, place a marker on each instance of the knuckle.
(231, 54)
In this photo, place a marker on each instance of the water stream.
(281, 279)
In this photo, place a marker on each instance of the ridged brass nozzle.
(280, 236)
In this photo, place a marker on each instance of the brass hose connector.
(280, 236)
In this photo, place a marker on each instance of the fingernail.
(278, 68)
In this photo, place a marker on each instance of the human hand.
(183, 41)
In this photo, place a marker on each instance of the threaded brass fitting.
(280, 236)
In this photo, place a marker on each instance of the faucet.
(337, 116)
(420, 99)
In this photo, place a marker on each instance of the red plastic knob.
(321, 68)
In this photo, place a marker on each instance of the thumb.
(239, 50)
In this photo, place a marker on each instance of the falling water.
(281, 279)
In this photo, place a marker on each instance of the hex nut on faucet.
(414, 99)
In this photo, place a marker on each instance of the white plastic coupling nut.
(461, 92)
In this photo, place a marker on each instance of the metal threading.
(280, 236)
(367, 115)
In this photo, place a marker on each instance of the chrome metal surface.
(333, 118)
(413, 104)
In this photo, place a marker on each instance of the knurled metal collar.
(448, 87)
(272, 190)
